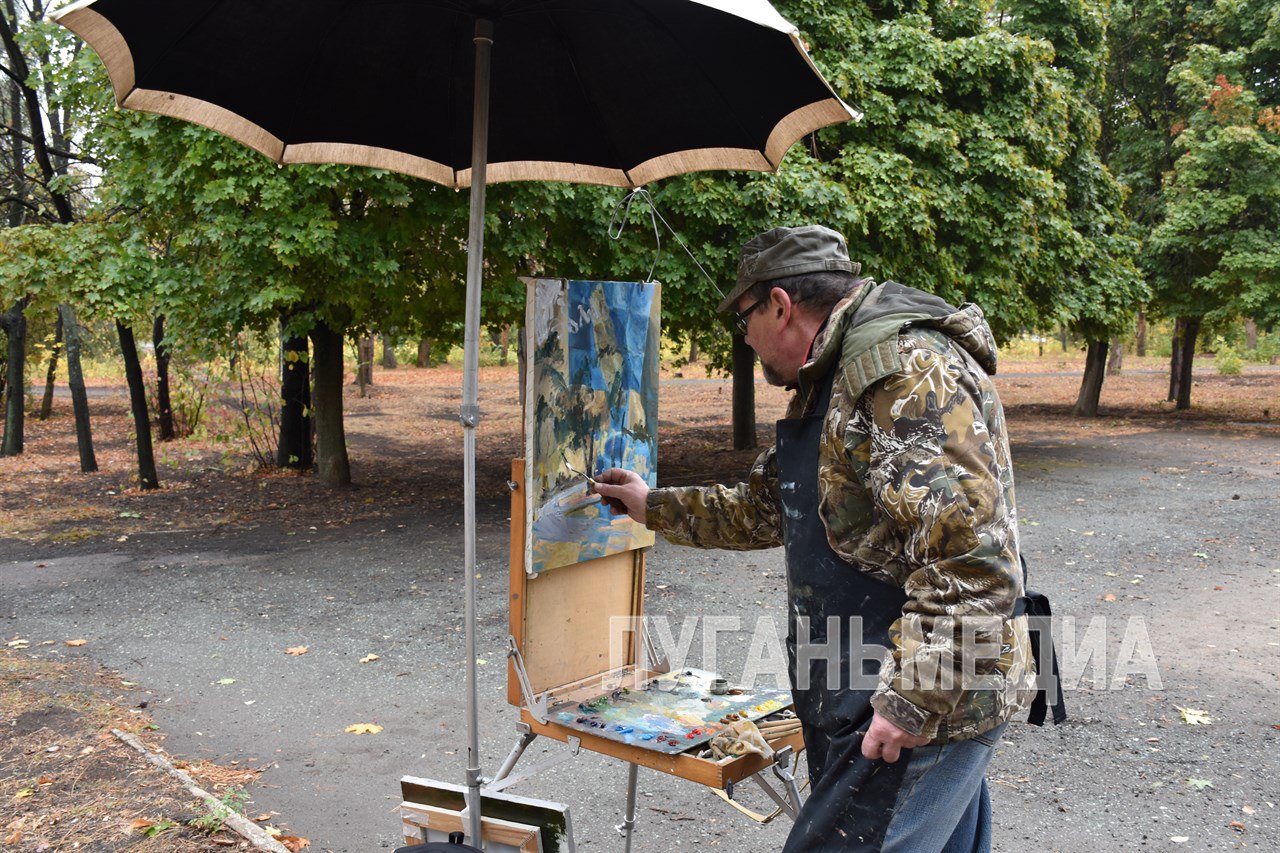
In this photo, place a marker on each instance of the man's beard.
(772, 376)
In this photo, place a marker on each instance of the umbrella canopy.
(617, 92)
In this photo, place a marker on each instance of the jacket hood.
(862, 332)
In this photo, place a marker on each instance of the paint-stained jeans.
(943, 805)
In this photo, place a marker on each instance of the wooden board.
(508, 819)
(562, 619)
(426, 823)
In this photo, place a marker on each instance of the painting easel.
(577, 635)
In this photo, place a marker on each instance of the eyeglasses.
(740, 317)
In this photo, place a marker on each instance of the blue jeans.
(943, 805)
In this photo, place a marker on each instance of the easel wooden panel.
(561, 618)
(560, 622)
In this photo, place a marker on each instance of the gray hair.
(818, 292)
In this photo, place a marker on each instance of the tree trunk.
(744, 394)
(1190, 331)
(424, 353)
(1115, 361)
(1140, 346)
(364, 364)
(46, 404)
(1062, 336)
(294, 448)
(693, 350)
(79, 398)
(504, 345)
(1095, 364)
(164, 415)
(388, 352)
(14, 323)
(1250, 334)
(147, 478)
(332, 465)
(1175, 359)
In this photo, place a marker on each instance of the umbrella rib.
(138, 73)
(577, 76)
(710, 80)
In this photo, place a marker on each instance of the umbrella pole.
(470, 411)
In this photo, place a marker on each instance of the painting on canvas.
(591, 404)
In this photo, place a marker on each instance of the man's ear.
(780, 304)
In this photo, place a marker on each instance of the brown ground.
(406, 450)
(67, 783)
(65, 780)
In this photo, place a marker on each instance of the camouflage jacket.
(916, 489)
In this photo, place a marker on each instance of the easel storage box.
(560, 624)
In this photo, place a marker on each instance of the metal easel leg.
(628, 825)
(782, 769)
(526, 737)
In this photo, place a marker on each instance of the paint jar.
(719, 687)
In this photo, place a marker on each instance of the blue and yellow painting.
(591, 404)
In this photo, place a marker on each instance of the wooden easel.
(560, 648)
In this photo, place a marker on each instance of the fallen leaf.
(262, 817)
(1111, 596)
(18, 643)
(45, 780)
(364, 728)
(140, 823)
(75, 643)
(368, 658)
(1248, 809)
(13, 837)
(294, 843)
(1200, 784)
(1236, 825)
(225, 681)
(1179, 839)
(24, 793)
(296, 650)
(1194, 716)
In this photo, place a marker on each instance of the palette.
(670, 713)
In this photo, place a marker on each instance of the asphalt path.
(1152, 540)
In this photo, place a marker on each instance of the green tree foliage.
(1190, 130)
(1215, 253)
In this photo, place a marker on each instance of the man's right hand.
(624, 492)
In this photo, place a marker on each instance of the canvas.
(591, 404)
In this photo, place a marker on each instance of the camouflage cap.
(784, 252)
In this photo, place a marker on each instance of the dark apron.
(851, 799)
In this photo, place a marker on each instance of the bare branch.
(57, 152)
(27, 203)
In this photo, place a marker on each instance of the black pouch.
(1040, 629)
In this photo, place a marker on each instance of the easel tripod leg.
(522, 744)
(628, 826)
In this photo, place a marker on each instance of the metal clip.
(469, 416)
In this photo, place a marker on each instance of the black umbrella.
(469, 92)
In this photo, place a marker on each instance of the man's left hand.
(885, 740)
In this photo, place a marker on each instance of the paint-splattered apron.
(851, 799)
